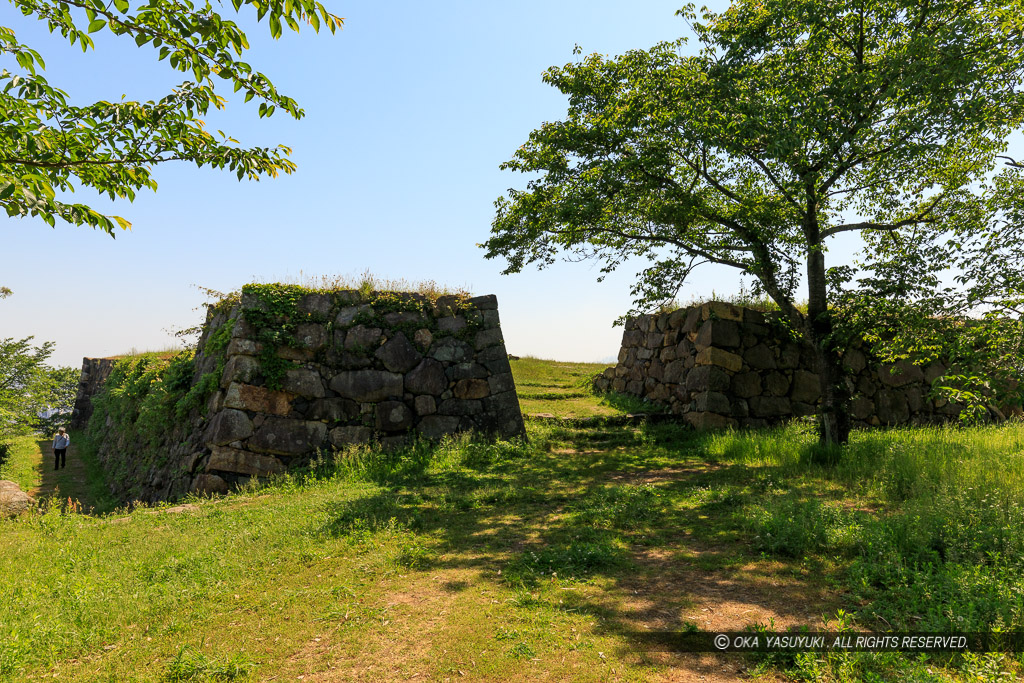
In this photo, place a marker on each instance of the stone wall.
(718, 365)
(353, 368)
(94, 373)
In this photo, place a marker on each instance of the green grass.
(22, 464)
(564, 390)
(536, 560)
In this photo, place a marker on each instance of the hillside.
(538, 560)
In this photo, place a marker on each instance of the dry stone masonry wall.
(289, 376)
(719, 365)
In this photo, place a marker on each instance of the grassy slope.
(563, 389)
(23, 465)
(532, 562)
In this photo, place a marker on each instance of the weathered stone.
(305, 383)
(739, 408)
(720, 333)
(257, 399)
(668, 354)
(208, 484)
(471, 389)
(702, 421)
(770, 406)
(485, 338)
(789, 357)
(318, 305)
(866, 385)
(398, 354)
(423, 338)
(675, 372)
(676, 318)
(760, 357)
(451, 350)
(294, 353)
(721, 311)
(854, 360)
(934, 371)
(746, 384)
(398, 318)
(451, 324)
(460, 407)
(333, 410)
(425, 405)
(656, 370)
(244, 347)
(899, 374)
(362, 339)
(13, 501)
(485, 302)
(367, 385)
(345, 436)
(632, 338)
(776, 384)
(707, 378)
(802, 409)
(713, 402)
(242, 369)
(915, 398)
(806, 387)
(644, 353)
(861, 407)
(393, 416)
(659, 393)
(724, 359)
(427, 378)
(227, 426)
(347, 315)
(892, 407)
(489, 318)
(466, 371)
(235, 460)
(501, 383)
(311, 336)
(288, 437)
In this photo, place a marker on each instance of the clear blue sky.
(410, 110)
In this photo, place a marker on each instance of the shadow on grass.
(642, 511)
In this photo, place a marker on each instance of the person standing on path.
(60, 448)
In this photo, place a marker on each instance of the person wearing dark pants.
(60, 448)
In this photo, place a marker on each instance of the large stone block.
(675, 372)
(363, 339)
(721, 311)
(242, 369)
(367, 385)
(312, 336)
(486, 338)
(393, 416)
(317, 305)
(13, 501)
(451, 350)
(806, 387)
(721, 358)
(353, 434)
(427, 378)
(208, 484)
(459, 407)
(288, 437)
(707, 378)
(227, 426)
(746, 384)
(425, 405)
(466, 371)
(347, 315)
(632, 338)
(854, 360)
(304, 382)
(776, 384)
(900, 374)
(713, 402)
(238, 461)
(451, 324)
(892, 408)
(333, 410)
(770, 406)
(398, 354)
(257, 399)
(720, 333)
(861, 408)
(485, 302)
(702, 421)
(501, 383)
(760, 357)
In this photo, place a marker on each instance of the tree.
(25, 385)
(796, 122)
(48, 144)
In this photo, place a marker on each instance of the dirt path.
(72, 481)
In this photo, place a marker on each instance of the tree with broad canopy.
(796, 122)
(48, 144)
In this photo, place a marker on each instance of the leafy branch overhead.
(49, 145)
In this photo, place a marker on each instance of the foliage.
(795, 123)
(52, 145)
(26, 385)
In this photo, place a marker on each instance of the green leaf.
(96, 25)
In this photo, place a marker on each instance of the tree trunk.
(834, 409)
